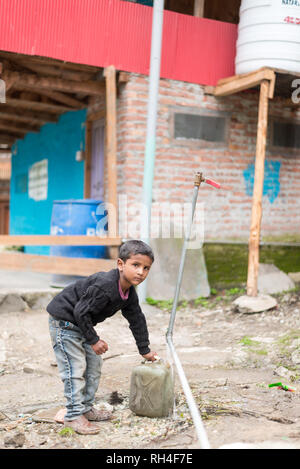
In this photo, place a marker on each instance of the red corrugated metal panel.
(116, 32)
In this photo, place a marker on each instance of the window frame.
(284, 151)
(202, 112)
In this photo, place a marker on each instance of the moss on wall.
(227, 264)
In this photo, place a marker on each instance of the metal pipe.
(183, 254)
(154, 76)
(200, 430)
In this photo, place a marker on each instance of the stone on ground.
(254, 304)
(11, 302)
(272, 280)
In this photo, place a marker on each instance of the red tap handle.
(213, 183)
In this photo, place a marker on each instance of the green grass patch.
(66, 432)
(247, 341)
(253, 346)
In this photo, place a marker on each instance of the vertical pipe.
(154, 76)
(183, 255)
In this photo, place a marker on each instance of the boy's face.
(135, 269)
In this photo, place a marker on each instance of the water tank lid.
(78, 201)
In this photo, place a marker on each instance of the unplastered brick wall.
(227, 212)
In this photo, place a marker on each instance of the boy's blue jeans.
(78, 365)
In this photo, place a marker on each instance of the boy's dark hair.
(133, 247)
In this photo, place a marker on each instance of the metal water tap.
(199, 178)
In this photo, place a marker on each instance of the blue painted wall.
(58, 143)
(271, 186)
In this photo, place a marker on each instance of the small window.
(193, 126)
(286, 135)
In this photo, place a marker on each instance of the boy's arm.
(138, 326)
(92, 300)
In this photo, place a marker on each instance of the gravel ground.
(229, 359)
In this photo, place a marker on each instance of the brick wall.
(227, 212)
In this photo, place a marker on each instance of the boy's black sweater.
(87, 302)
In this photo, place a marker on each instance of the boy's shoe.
(95, 415)
(82, 426)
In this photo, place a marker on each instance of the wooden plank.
(87, 160)
(124, 77)
(253, 261)
(111, 149)
(5, 139)
(27, 116)
(47, 61)
(53, 264)
(53, 83)
(37, 106)
(199, 8)
(14, 129)
(54, 95)
(5, 169)
(50, 240)
(97, 115)
(29, 127)
(239, 83)
(55, 71)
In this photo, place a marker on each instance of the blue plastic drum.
(78, 217)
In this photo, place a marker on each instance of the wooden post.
(199, 8)
(253, 261)
(111, 153)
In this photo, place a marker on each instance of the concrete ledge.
(24, 299)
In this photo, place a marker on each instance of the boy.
(76, 344)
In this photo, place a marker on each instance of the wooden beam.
(14, 129)
(37, 106)
(55, 71)
(54, 95)
(47, 61)
(124, 77)
(33, 118)
(199, 8)
(54, 265)
(53, 83)
(7, 139)
(5, 150)
(111, 149)
(237, 83)
(253, 261)
(50, 240)
(16, 118)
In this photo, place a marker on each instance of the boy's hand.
(100, 347)
(151, 356)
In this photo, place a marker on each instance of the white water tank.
(268, 35)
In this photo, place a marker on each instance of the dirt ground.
(229, 359)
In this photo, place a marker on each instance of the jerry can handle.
(157, 359)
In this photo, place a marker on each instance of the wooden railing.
(11, 260)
